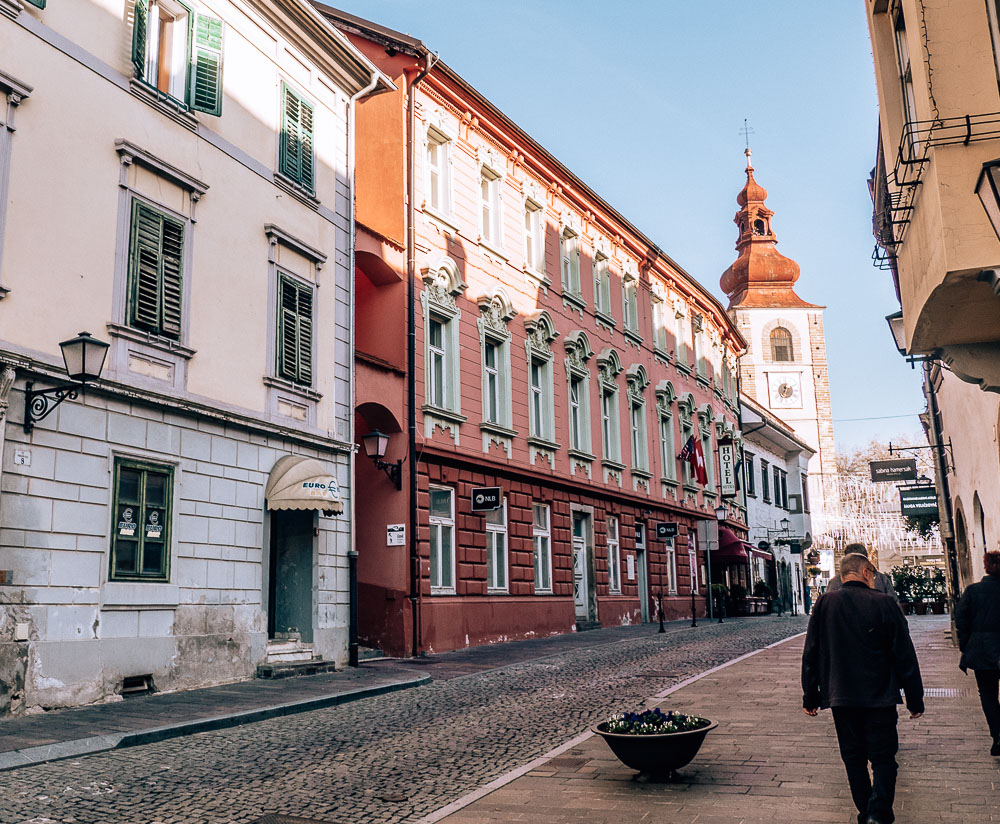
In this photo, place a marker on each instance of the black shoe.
(995, 749)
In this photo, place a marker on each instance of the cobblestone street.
(392, 758)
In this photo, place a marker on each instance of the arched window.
(781, 344)
(759, 228)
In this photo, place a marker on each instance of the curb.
(30, 756)
(507, 778)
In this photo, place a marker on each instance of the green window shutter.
(295, 331)
(205, 94)
(155, 267)
(38, 3)
(296, 158)
(139, 37)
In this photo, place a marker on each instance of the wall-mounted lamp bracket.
(38, 405)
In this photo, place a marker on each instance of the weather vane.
(746, 131)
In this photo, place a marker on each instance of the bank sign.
(727, 468)
(918, 500)
(901, 469)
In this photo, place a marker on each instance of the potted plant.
(902, 583)
(653, 741)
(936, 591)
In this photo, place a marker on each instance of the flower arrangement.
(653, 722)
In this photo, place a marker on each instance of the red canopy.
(730, 546)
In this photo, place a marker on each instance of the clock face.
(786, 390)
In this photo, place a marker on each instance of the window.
(296, 160)
(489, 186)
(491, 381)
(805, 493)
(630, 309)
(659, 324)
(540, 402)
(541, 533)
(780, 488)
(748, 474)
(295, 330)
(640, 457)
(696, 347)
(576, 413)
(680, 345)
(179, 53)
(671, 567)
(781, 344)
(438, 172)
(156, 255)
(906, 76)
(442, 539)
(140, 540)
(668, 454)
(496, 548)
(765, 489)
(569, 253)
(602, 284)
(610, 438)
(614, 557)
(693, 562)
(437, 363)
(534, 237)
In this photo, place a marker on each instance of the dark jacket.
(883, 583)
(977, 619)
(858, 652)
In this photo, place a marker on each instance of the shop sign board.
(918, 500)
(666, 529)
(899, 469)
(727, 468)
(486, 498)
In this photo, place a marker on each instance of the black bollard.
(659, 609)
(722, 608)
(694, 612)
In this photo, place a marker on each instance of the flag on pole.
(692, 453)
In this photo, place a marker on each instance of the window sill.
(497, 429)
(683, 368)
(543, 592)
(442, 590)
(286, 385)
(661, 354)
(694, 489)
(634, 338)
(447, 222)
(296, 190)
(701, 380)
(441, 412)
(163, 103)
(497, 591)
(580, 455)
(574, 302)
(542, 443)
(492, 248)
(644, 474)
(537, 277)
(172, 347)
(612, 465)
(671, 482)
(604, 320)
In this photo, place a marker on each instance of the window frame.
(297, 176)
(614, 556)
(671, 565)
(749, 474)
(534, 253)
(437, 138)
(491, 224)
(493, 531)
(144, 467)
(569, 261)
(787, 341)
(542, 535)
(765, 481)
(158, 330)
(637, 435)
(602, 284)
(904, 67)
(491, 381)
(610, 426)
(440, 521)
(302, 287)
(668, 448)
(437, 360)
(805, 491)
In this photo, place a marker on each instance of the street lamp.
(720, 513)
(988, 189)
(84, 359)
(375, 443)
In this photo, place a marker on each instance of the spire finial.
(746, 131)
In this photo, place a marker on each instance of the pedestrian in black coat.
(857, 656)
(977, 619)
(883, 583)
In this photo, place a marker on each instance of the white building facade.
(176, 180)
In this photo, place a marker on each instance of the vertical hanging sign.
(727, 468)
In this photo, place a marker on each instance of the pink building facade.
(547, 348)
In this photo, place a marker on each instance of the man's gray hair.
(855, 564)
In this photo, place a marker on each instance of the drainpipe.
(411, 350)
(352, 553)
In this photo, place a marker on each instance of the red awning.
(761, 553)
(731, 548)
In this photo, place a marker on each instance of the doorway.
(290, 576)
(582, 578)
(640, 562)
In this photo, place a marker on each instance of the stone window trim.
(636, 381)
(496, 312)
(534, 268)
(671, 564)
(613, 541)
(14, 92)
(440, 132)
(492, 166)
(578, 353)
(442, 521)
(288, 402)
(609, 366)
(541, 332)
(138, 357)
(143, 460)
(765, 340)
(442, 285)
(665, 398)
(541, 535)
(570, 234)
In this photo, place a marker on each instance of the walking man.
(883, 583)
(857, 656)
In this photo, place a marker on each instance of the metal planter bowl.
(658, 755)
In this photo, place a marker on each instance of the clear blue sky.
(645, 101)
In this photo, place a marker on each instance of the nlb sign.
(486, 498)
(666, 529)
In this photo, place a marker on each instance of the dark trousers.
(988, 682)
(869, 735)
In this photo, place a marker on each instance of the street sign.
(900, 469)
(918, 500)
(666, 529)
(727, 468)
(486, 498)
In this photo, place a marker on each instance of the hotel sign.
(727, 468)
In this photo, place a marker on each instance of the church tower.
(784, 368)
